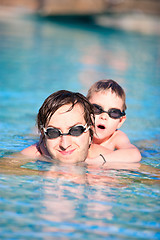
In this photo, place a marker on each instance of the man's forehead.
(68, 116)
(74, 112)
(70, 108)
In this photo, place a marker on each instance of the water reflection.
(71, 205)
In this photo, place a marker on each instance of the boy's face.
(68, 148)
(105, 126)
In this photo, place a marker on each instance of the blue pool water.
(40, 56)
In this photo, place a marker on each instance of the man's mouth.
(65, 153)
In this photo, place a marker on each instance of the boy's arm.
(125, 152)
(128, 154)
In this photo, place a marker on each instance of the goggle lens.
(113, 112)
(75, 131)
(52, 133)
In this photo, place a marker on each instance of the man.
(65, 121)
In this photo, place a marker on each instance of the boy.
(108, 100)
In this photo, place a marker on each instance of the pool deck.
(136, 21)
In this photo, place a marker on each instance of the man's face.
(68, 148)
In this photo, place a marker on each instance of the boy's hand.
(95, 150)
(97, 161)
(96, 155)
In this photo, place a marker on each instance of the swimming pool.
(40, 56)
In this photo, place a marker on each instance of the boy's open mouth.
(101, 126)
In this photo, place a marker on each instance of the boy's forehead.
(105, 92)
(101, 91)
(106, 98)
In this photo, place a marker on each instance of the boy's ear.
(122, 120)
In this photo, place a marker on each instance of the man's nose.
(65, 142)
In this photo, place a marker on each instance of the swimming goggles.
(112, 112)
(75, 131)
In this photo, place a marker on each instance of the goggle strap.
(86, 128)
(45, 131)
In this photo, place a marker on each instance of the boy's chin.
(98, 139)
(99, 135)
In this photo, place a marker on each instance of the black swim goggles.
(112, 112)
(75, 131)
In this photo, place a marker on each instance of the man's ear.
(90, 135)
(122, 120)
(42, 132)
(90, 141)
(42, 137)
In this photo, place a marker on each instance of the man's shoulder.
(31, 151)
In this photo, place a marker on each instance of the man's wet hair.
(60, 98)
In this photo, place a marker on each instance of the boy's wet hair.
(60, 98)
(106, 84)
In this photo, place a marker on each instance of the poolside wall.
(85, 7)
